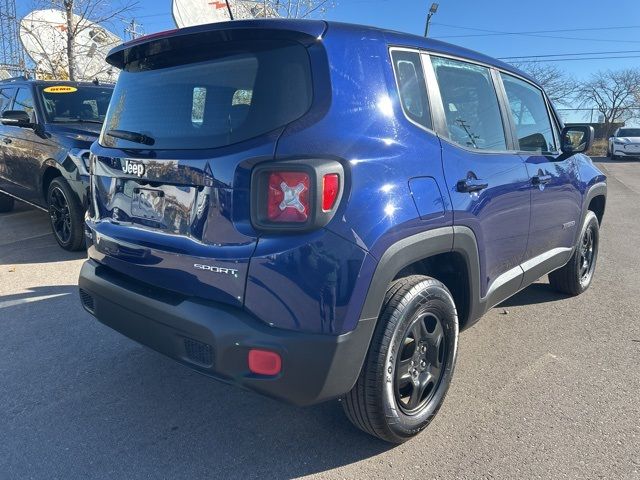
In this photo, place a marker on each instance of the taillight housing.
(295, 195)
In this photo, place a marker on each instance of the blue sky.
(580, 26)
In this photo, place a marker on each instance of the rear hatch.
(193, 111)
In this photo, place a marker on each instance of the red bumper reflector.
(330, 189)
(264, 362)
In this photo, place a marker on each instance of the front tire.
(410, 362)
(6, 203)
(66, 215)
(576, 276)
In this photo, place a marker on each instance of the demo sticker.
(60, 89)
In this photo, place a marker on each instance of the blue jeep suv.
(314, 210)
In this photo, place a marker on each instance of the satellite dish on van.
(187, 13)
(43, 36)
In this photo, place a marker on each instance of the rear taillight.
(295, 195)
(288, 197)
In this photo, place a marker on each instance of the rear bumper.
(214, 339)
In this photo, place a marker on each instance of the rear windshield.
(243, 92)
(65, 103)
(629, 132)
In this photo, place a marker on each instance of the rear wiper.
(131, 136)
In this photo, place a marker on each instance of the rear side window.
(470, 104)
(239, 92)
(411, 86)
(530, 115)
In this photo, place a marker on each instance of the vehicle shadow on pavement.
(84, 400)
(533, 294)
(617, 160)
(37, 249)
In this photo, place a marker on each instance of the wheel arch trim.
(595, 190)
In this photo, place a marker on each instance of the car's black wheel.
(66, 215)
(576, 276)
(6, 203)
(410, 362)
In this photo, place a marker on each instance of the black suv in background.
(46, 128)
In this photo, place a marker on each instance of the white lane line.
(13, 303)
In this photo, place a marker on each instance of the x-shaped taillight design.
(292, 196)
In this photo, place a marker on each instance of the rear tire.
(410, 362)
(6, 203)
(66, 215)
(576, 276)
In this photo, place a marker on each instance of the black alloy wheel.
(66, 215)
(420, 363)
(576, 276)
(588, 251)
(60, 215)
(410, 362)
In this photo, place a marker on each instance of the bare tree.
(295, 8)
(560, 87)
(614, 94)
(81, 17)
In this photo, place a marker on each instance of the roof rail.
(14, 79)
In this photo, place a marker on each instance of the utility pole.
(432, 11)
(132, 29)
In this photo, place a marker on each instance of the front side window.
(6, 94)
(530, 115)
(24, 102)
(470, 104)
(411, 86)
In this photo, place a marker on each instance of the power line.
(576, 59)
(568, 54)
(500, 32)
(536, 34)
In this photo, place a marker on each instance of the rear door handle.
(470, 185)
(541, 179)
(6, 140)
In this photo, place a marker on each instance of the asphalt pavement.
(545, 386)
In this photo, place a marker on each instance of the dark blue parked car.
(314, 210)
(46, 129)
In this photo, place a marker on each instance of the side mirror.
(16, 118)
(576, 139)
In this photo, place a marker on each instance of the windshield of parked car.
(78, 103)
(629, 132)
(209, 98)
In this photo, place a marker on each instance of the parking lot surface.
(545, 387)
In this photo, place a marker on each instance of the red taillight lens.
(330, 190)
(264, 362)
(288, 197)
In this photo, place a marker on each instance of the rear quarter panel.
(385, 157)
